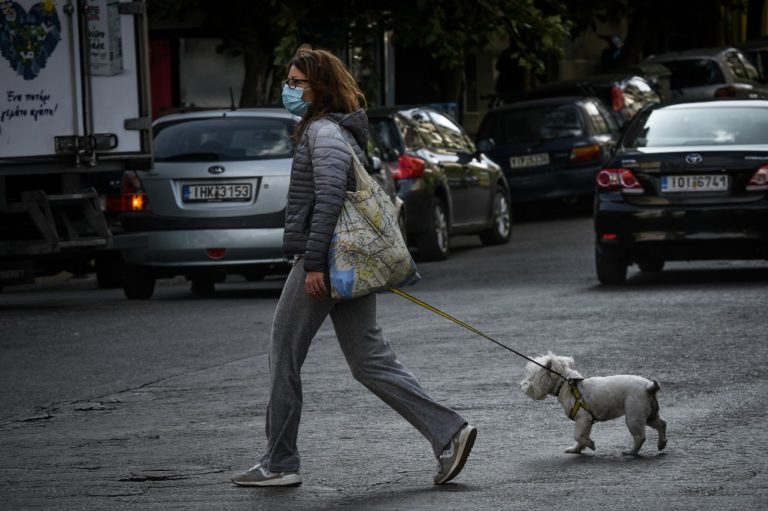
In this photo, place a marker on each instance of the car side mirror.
(485, 145)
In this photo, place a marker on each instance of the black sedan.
(687, 182)
(551, 148)
(447, 186)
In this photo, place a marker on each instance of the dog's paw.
(662, 443)
(576, 449)
(591, 444)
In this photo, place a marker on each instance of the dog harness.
(580, 403)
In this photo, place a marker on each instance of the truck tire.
(138, 284)
(501, 228)
(611, 269)
(434, 245)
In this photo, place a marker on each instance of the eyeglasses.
(293, 82)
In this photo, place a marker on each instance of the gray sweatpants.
(370, 357)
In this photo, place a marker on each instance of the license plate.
(711, 183)
(529, 160)
(219, 192)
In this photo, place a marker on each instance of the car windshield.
(694, 73)
(531, 124)
(699, 126)
(224, 139)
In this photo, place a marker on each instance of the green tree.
(268, 32)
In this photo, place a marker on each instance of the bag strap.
(361, 175)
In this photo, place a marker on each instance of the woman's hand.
(314, 284)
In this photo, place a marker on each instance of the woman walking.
(321, 90)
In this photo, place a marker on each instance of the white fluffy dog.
(589, 400)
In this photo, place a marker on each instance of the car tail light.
(408, 167)
(131, 196)
(618, 179)
(216, 253)
(617, 98)
(759, 180)
(583, 154)
(726, 92)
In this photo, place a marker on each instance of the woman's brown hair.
(334, 88)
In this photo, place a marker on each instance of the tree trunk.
(258, 78)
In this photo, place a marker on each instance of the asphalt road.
(116, 404)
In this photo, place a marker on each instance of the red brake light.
(618, 179)
(617, 98)
(408, 167)
(216, 253)
(131, 198)
(587, 153)
(726, 92)
(759, 180)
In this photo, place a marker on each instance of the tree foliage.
(268, 32)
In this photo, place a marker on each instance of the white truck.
(74, 104)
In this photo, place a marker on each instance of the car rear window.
(224, 139)
(531, 124)
(694, 73)
(699, 126)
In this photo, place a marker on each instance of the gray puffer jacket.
(322, 173)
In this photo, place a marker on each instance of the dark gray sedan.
(549, 148)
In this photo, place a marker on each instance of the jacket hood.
(356, 123)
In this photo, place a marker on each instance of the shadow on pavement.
(681, 278)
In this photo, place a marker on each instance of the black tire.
(651, 265)
(501, 229)
(202, 286)
(434, 245)
(611, 269)
(402, 225)
(138, 284)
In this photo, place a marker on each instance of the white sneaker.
(260, 476)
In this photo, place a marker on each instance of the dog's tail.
(653, 387)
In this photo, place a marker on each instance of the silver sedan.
(214, 204)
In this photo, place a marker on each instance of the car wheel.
(651, 265)
(402, 226)
(435, 244)
(501, 229)
(138, 284)
(202, 286)
(611, 269)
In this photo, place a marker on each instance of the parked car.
(623, 94)
(711, 73)
(447, 185)
(687, 181)
(549, 148)
(756, 52)
(214, 204)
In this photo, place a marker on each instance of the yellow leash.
(580, 403)
(469, 327)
